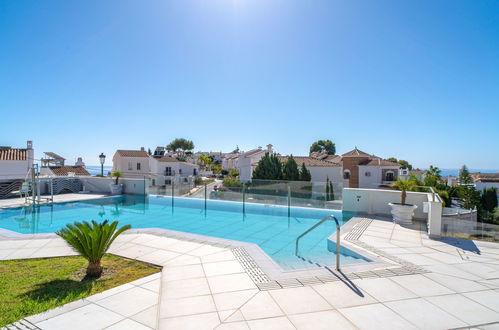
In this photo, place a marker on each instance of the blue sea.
(455, 171)
(95, 169)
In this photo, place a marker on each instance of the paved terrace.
(205, 286)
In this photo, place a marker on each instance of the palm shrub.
(117, 175)
(91, 241)
(404, 186)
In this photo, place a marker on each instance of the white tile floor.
(205, 287)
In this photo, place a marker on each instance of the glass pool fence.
(324, 195)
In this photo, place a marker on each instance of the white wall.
(375, 201)
(13, 169)
(121, 164)
(321, 173)
(101, 185)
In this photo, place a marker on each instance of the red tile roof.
(485, 177)
(133, 153)
(309, 161)
(356, 153)
(166, 159)
(7, 153)
(377, 161)
(65, 170)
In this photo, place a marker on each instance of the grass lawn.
(31, 286)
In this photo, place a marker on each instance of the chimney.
(29, 144)
(142, 149)
(269, 148)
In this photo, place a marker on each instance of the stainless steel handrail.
(337, 237)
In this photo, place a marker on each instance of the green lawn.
(31, 286)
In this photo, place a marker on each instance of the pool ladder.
(329, 217)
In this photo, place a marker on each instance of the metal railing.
(329, 217)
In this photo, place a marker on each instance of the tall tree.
(290, 170)
(464, 176)
(305, 173)
(488, 200)
(405, 164)
(182, 145)
(268, 168)
(469, 197)
(432, 177)
(206, 160)
(392, 159)
(323, 146)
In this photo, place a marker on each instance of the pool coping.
(267, 274)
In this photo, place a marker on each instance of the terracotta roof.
(7, 153)
(485, 177)
(132, 153)
(377, 161)
(65, 170)
(166, 159)
(309, 161)
(252, 152)
(356, 153)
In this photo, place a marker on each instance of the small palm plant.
(404, 186)
(117, 175)
(91, 241)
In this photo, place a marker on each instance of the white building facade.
(15, 163)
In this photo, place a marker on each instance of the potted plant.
(402, 212)
(116, 188)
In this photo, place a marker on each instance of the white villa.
(15, 163)
(354, 169)
(139, 164)
(247, 161)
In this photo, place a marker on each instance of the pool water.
(268, 226)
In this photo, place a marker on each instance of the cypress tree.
(268, 168)
(290, 170)
(305, 173)
(464, 176)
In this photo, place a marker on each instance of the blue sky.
(417, 80)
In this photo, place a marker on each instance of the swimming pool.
(267, 226)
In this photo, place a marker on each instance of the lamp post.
(102, 159)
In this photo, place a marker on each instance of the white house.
(362, 170)
(320, 170)
(247, 161)
(485, 180)
(161, 168)
(132, 163)
(15, 163)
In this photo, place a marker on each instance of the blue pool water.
(268, 226)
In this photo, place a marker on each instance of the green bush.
(231, 182)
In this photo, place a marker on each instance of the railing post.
(173, 193)
(289, 200)
(338, 246)
(244, 199)
(205, 193)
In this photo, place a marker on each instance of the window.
(168, 171)
(179, 171)
(138, 166)
(389, 176)
(168, 182)
(346, 174)
(368, 173)
(130, 167)
(194, 172)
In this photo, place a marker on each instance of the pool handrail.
(337, 237)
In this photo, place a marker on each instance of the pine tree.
(305, 173)
(464, 176)
(268, 168)
(290, 170)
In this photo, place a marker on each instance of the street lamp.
(102, 159)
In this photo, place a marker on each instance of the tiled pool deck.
(446, 284)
